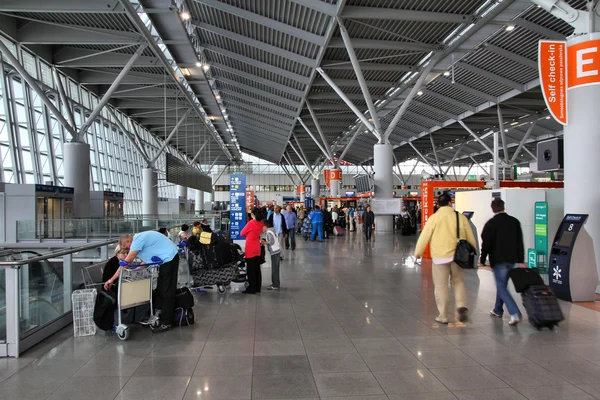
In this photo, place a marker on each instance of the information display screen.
(566, 238)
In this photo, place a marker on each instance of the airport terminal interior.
(158, 156)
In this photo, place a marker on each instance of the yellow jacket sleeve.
(425, 236)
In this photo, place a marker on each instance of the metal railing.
(35, 293)
(98, 229)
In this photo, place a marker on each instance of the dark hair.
(185, 227)
(162, 230)
(444, 200)
(196, 223)
(268, 223)
(497, 205)
(258, 214)
(317, 208)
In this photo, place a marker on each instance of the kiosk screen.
(566, 239)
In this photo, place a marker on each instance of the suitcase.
(542, 307)
(338, 231)
(525, 277)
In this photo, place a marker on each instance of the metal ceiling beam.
(333, 96)
(394, 14)
(357, 130)
(102, 77)
(245, 40)
(338, 42)
(238, 114)
(258, 64)
(320, 130)
(435, 155)
(303, 160)
(422, 156)
(540, 30)
(264, 21)
(198, 153)
(145, 104)
(251, 110)
(145, 91)
(276, 132)
(523, 141)
(313, 137)
(45, 33)
(173, 133)
(449, 100)
(254, 100)
(133, 136)
(512, 56)
(434, 110)
(251, 134)
(66, 101)
(491, 76)
(83, 58)
(467, 89)
(234, 85)
(479, 140)
(320, 6)
(360, 77)
(454, 157)
(353, 83)
(502, 133)
(63, 6)
(368, 66)
(255, 78)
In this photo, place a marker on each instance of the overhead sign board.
(552, 63)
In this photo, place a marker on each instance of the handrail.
(70, 250)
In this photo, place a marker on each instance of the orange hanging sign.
(300, 190)
(327, 176)
(552, 62)
(584, 64)
(335, 174)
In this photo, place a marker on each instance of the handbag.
(464, 255)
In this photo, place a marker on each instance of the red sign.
(299, 190)
(249, 199)
(552, 56)
(584, 63)
(327, 176)
(335, 174)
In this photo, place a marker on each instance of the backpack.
(183, 316)
(184, 298)
(104, 310)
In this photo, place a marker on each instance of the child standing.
(272, 243)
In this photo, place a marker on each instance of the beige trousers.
(441, 273)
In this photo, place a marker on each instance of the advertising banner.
(327, 176)
(249, 200)
(237, 205)
(541, 227)
(552, 63)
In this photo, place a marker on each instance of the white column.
(384, 178)
(182, 191)
(335, 182)
(581, 149)
(149, 192)
(315, 189)
(199, 206)
(77, 175)
(208, 198)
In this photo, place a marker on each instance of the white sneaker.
(494, 314)
(514, 320)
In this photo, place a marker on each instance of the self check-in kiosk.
(572, 271)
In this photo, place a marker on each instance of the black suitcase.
(523, 278)
(542, 307)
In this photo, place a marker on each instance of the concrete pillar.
(384, 179)
(335, 182)
(581, 149)
(182, 191)
(208, 198)
(77, 175)
(315, 189)
(149, 192)
(199, 206)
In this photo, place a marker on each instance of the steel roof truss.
(491, 76)
(257, 79)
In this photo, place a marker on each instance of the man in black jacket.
(368, 222)
(502, 240)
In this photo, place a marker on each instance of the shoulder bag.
(464, 254)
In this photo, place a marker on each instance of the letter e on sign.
(552, 64)
(584, 63)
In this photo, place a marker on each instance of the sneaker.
(495, 314)
(514, 320)
(441, 320)
(160, 328)
(272, 288)
(463, 314)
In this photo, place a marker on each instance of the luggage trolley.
(136, 282)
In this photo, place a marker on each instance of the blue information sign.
(237, 205)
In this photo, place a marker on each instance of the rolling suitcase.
(338, 231)
(523, 278)
(542, 307)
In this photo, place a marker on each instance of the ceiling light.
(419, 93)
(509, 28)
(217, 97)
(206, 67)
(548, 117)
(185, 71)
(212, 118)
(185, 16)
(446, 73)
(198, 64)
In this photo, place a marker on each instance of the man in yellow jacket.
(440, 233)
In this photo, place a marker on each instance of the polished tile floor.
(352, 321)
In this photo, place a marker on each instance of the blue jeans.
(317, 227)
(502, 294)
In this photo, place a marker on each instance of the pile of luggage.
(215, 260)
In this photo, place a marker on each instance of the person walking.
(301, 213)
(151, 244)
(316, 218)
(368, 222)
(252, 232)
(272, 243)
(502, 240)
(278, 221)
(307, 225)
(291, 223)
(440, 234)
(351, 220)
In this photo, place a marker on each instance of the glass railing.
(99, 229)
(35, 292)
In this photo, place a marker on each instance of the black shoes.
(463, 314)
(160, 328)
